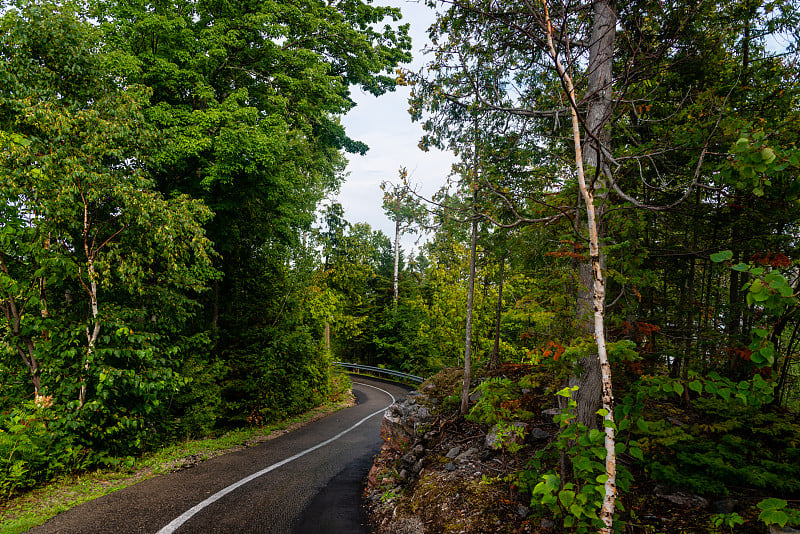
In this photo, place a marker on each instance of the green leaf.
(724, 255)
(772, 504)
(566, 498)
(774, 517)
(696, 386)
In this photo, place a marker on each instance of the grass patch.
(35, 507)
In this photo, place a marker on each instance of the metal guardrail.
(380, 371)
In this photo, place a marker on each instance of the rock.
(452, 453)
(417, 466)
(475, 397)
(537, 435)
(401, 421)
(552, 412)
(675, 421)
(547, 524)
(774, 529)
(685, 500)
(372, 477)
(464, 456)
(725, 506)
(403, 475)
(492, 436)
(450, 467)
(522, 511)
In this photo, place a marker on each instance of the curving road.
(304, 482)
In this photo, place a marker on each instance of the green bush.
(722, 446)
(33, 449)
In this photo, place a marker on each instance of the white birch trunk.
(92, 330)
(598, 285)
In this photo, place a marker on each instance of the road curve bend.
(306, 481)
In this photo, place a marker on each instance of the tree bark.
(470, 299)
(396, 258)
(92, 330)
(494, 359)
(599, 87)
(595, 142)
(13, 314)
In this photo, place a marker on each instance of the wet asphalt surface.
(318, 493)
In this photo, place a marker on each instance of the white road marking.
(176, 523)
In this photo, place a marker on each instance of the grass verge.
(35, 507)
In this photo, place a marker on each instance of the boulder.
(401, 422)
(467, 454)
(492, 436)
(537, 435)
(684, 500)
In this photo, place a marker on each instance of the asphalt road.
(304, 482)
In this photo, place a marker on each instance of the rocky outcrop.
(403, 422)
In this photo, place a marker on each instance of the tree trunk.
(596, 141)
(470, 299)
(215, 307)
(494, 359)
(29, 359)
(396, 258)
(13, 315)
(92, 330)
(599, 89)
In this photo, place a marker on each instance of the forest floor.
(24, 511)
(449, 480)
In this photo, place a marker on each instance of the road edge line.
(176, 523)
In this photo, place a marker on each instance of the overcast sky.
(384, 124)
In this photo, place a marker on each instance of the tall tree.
(405, 210)
(90, 231)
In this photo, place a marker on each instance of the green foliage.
(254, 391)
(722, 449)
(33, 447)
(770, 290)
(498, 402)
(574, 497)
(777, 512)
(730, 520)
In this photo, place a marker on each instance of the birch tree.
(405, 210)
(600, 80)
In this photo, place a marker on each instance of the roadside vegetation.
(620, 230)
(160, 169)
(34, 507)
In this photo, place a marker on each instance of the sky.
(384, 124)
